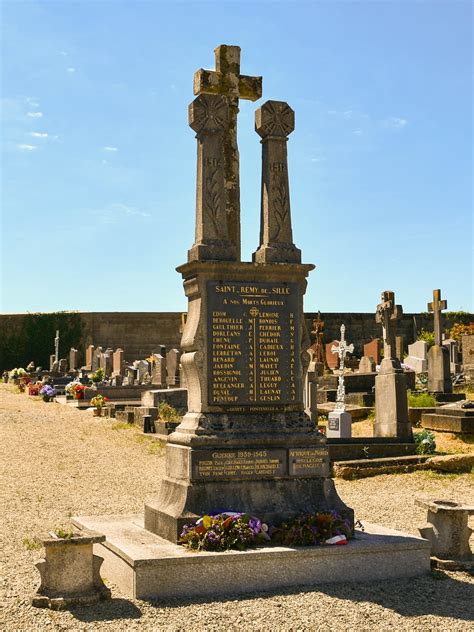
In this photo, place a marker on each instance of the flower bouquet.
(97, 376)
(321, 527)
(15, 374)
(224, 531)
(75, 389)
(47, 392)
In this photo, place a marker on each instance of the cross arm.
(250, 88)
(207, 81)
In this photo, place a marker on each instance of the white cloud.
(32, 102)
(109, 148)
(396, 122)
(318, 159)
(25, 147)
(63, 53)
(358, 132)
(39, 134)
(35, 114)
(116, 212)
(71, 69)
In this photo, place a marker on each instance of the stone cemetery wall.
(26, 337)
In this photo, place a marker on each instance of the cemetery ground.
(58, 462)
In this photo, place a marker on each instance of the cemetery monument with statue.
(245, 443)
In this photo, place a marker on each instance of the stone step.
(448, 423)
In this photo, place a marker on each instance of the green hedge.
(33, 340)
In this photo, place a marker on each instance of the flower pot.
(70, 572)
(46, 398)
(97, 412)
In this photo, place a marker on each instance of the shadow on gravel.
(432, 594)
(108, 610)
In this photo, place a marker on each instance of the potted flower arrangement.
(75, 389)
(97, 376)
(98, 402)
(15, 375)
(33, 389)
(47, 393)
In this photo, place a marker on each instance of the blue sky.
(98, 161)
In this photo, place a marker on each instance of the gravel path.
(56, 462)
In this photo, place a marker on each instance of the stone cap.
(79, 537)
(443, 505)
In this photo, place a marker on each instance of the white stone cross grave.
(341, 350)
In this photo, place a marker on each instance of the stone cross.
(226, 80)
(436, 306)
(208, 116)
(56, 345)
(274, 121)
(342, 349)
(387, 315)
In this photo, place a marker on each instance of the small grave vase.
(70, 572)
(97, 412)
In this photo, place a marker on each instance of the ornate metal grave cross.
(436, 306)
(56, 346)
(342, 350)
(387, 315)
(227, 81)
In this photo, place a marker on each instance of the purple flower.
(255, 525)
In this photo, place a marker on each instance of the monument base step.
(145, 566)
(448, 423)
(368, 448)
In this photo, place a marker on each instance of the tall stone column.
(391, 407)
(274, 121)
(208, 116)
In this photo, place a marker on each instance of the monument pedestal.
(339, 425)
(245, 443)
(145, 566)
(391, 407)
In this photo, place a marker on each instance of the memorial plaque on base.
(307, 462)
(218, 464)
(252, 334)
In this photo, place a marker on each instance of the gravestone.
(332, 360)
(106, 362)
(117, 363)
(391, 407)
(245, 442)
(467, 343)
(89, 357)
(130, 376)
(372, 350)
(417, 356)
(62, 365)
(400, 347)
(143, 370)
(52, 360)
(339, 420)
(172, 367)
(317, 347)
(158, 371)
(366, 365)
(439, 374)
(311, 392)
(73, 359)
(96, 358)
(454, 360)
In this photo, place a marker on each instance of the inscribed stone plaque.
(307, 462)
(333, 423)
(218, 464)
(252, 345)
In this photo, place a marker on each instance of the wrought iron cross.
(227, 80)
(436, 306)
(387, 315)
(341, 350)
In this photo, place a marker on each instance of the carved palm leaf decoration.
(281, 209)
(213, 205)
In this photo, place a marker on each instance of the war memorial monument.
(245, 443)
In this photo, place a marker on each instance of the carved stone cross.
(387, 315)
(342, 349)
(208, 116)
(226, 80)
(274, 122)
(436, 306)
